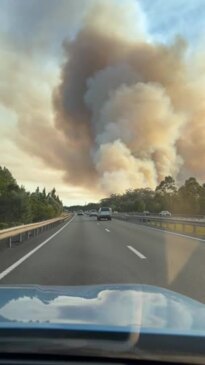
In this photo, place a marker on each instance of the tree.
(7, 182)
(202, 200)
(189, 196)
(53, 193)
(44, 193)
(166, 194)
(18, 206)
(45, 206)
(167, 186)
(21, 208)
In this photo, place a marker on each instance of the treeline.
(188, 199)
(18, 206)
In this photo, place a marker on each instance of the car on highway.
(165, 213)
(93, 213)
(104, 213)
(80, 212)
(146, 212)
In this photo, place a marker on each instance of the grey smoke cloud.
(116, 102)
(123, 113)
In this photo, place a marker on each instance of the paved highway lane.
(85, 251)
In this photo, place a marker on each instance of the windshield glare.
(102, 163)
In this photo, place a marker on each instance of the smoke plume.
(127, 111)
(124, 104)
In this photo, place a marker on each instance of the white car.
(165, 213)
(104, 213)
(93, 213)
(80, 212)
(146, 212)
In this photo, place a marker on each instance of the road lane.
(8, 256)
(30, 253)
(91, 252)
(82, 253)
(176, 262)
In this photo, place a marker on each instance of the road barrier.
(14, 235)
(187, 227)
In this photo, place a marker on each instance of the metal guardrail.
(173, 216)
(24, 232)
(181, 225)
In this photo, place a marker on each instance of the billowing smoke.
(124, 104)
(127, 111)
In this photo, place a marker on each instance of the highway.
(84, 251)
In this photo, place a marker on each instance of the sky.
(97, 97)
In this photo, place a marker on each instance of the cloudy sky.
(100, 96)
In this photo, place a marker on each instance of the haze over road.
(85, 251)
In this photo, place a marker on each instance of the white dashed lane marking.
(139, 254)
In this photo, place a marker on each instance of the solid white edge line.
(107, 230)
(139, 254)
(25, 257)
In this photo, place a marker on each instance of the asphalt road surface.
(85, 251)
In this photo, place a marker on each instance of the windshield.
(102, 158)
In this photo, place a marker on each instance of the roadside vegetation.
(188, 199)
(18, 206)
